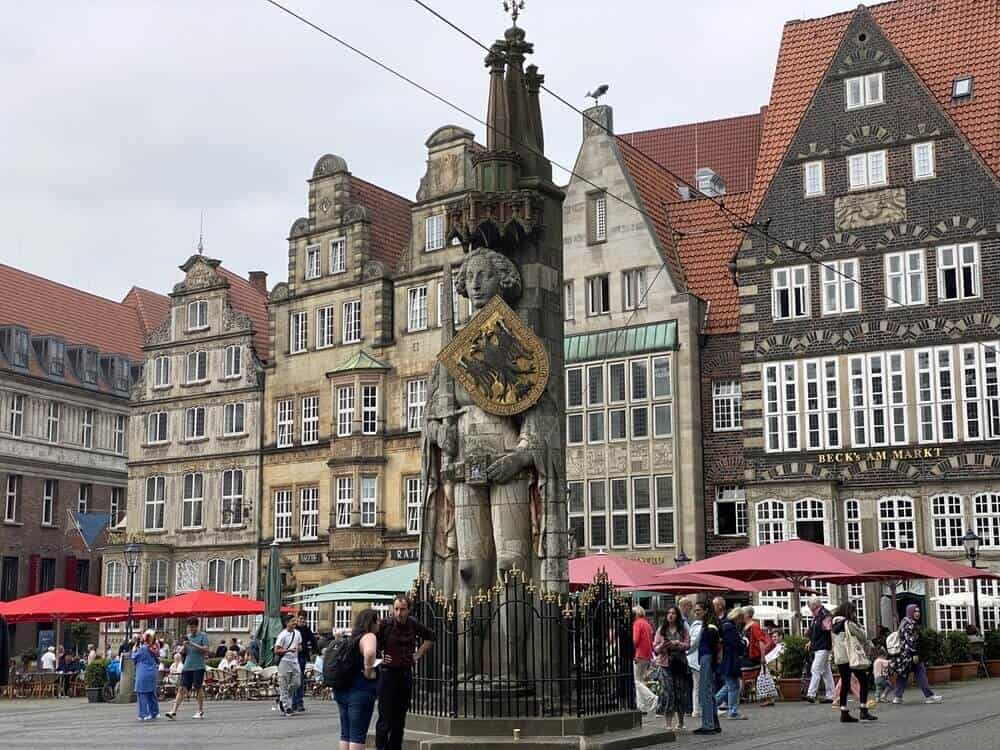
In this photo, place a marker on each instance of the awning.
(621, 342)
(379, 585)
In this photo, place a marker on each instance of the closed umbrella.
(270, 625)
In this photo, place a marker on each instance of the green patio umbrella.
(270, 625)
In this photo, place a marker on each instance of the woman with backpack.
(733, 648)
(354, 674)
(850, 653)
(903, 647)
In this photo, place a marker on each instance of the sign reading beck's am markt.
(884, 454)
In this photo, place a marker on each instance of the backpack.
(894, 644)
(341, 662)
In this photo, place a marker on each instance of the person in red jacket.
(642, 641)
(758, 644)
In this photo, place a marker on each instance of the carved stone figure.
(870, 209)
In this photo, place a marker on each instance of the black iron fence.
(519, 652)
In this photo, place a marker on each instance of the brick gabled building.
(67, 363)
(870, 322)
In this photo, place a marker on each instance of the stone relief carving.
(235, 320)
(870, 209)
(187, 575)
(162, 333)
(866, 135)
(299, 227)
(279, 292)
(640, 457)
(373, 269)
(596, 460)
(355, 213)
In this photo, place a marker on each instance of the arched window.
(770, 522)
(896, 523)
(946, 512)
(852, 525)
(114, 577)
(241, 587)
(216, 582)
(156, 588)
(809, 520)
(987, 513)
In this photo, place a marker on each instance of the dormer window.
(961, 87)
(57, 357)
(197, 316)
(88, 365)
(864, 91)
(120, 374)
(19, 347)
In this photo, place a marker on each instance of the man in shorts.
(195, 646)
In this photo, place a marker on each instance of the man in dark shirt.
(820, 644)
(398, 642)
(220, 650)
(305, 656)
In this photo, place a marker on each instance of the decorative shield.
(499, 360)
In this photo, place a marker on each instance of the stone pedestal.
(126, 686)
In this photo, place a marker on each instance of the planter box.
(965, 670)
(790, 688)
(939, 675)
(95, 695)
(993, 667)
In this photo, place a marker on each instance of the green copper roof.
(621, 342)
(360, 361)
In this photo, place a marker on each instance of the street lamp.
(681, 560)
(971, 542)
(132, 562)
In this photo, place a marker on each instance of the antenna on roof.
(201, 234)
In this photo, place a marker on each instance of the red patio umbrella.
(205, 603)
(679, 581)
(621, 571)
(63, 604)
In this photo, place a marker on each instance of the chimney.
(258, 280)
(709, 183)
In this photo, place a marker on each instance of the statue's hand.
(505, 467)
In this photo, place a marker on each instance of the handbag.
(765, 685)
(857, 655)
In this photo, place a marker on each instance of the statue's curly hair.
(510, 277)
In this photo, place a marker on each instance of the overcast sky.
(122, 121)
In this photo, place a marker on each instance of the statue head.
(485, 273)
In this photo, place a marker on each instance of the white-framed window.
(114, 578)
(863, 91)
(232, 498)
(83, 498)
(154, 503)
(119, 434)
(946, 514)
(574, 429)
(726, 405)
(345, 501)
(156, 581)
(878, 399)
(161, 370)
(616, 383)
(595, 426)
(662, 387)
(241, 586)
(770, 522)
(283, 515)
(576, 507)
(642, 513)
(958, 272)
(781, 407)
(574, 387)
(192, 503)
(790, 293)
(905, 279)
(338, 255)
(15, 422)
(197, 367)
(812, 178)
(52, 422)
(856, 596)
(434, 232)
(369, 500)
(639, 372)
(345, 410)
(298, 332)
(665, 523)
(455, 298)
(935, 395)
(640, 422)
(841, 293)
(369, 409)
(416, 397)
(598, 295)
(313, 262)
(634, 289)
(951, 617)
(730, 510)
(598, 217)
(414, 504)
(157, 430)
(980, 390)
(619, 511)
(896, 523)
(416, 318)
(308, 513)
(326, 327)
(310, 420)
(923, 160)
(194, 423)
(852, 525)
(867, 170)
(342, 615)
(569, 302)
(216, 582)
(351, 320)
(197, 315)
(12, 499)
(810, 520)
(116, 506)
(233, 366)
(617, 425)
(597, 491)
(285, 409)
(822, 406)
(234, 419)
(595, 385)
(986, 516)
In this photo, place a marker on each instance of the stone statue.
(489, 478)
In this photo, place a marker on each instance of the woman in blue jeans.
(357, 703)
(730, 667)
(708, 648)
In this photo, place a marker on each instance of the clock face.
(324, 205)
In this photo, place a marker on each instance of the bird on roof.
(598, 92)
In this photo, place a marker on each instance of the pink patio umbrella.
(621, 571)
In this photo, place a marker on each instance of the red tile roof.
(390, 220)
(151, 307)
(940, 39)
(727, 146)
(247, 299)
(78, 317)
(705, 244)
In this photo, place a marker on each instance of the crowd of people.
(702, 654)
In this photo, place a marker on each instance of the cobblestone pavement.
(969, 719)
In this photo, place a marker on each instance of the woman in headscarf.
(147, 663)
(908, 658)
